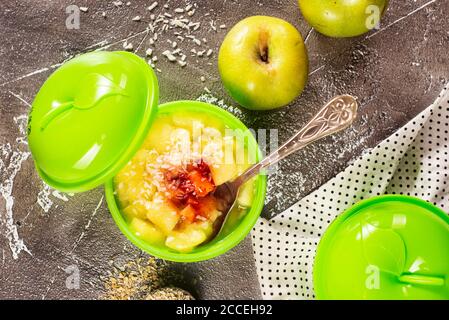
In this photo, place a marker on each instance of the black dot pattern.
(413, 161)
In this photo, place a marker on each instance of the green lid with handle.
(90, 117)
(388, 247)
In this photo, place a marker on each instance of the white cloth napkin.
(413, 161)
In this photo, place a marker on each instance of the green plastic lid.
(90, 117)
(388, 247)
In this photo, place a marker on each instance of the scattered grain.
(169, 293)
(141, 279)
(169, 56)
(152, 6)
(128, 46)
(212, 25)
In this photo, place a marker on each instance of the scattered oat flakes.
(149, 52)
(117, 3)
(203, 79)
(137, 18)
(84, 9)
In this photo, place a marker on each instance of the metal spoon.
(336, 115)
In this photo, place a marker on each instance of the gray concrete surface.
(395, 71)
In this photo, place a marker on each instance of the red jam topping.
(190, 188)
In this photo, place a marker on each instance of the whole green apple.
(343, 18)
(263, 63)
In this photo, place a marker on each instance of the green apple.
(343, 18)
(263, 63)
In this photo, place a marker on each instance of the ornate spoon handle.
(336, 115)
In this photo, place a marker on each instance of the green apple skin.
(340, 18)
(263, 63)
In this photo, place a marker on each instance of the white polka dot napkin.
(413, 161)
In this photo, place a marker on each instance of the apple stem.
(263, 46)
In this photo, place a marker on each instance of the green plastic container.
(387, 247)
(225, 241)
(89, 119)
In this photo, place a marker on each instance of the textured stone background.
(396, 72)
